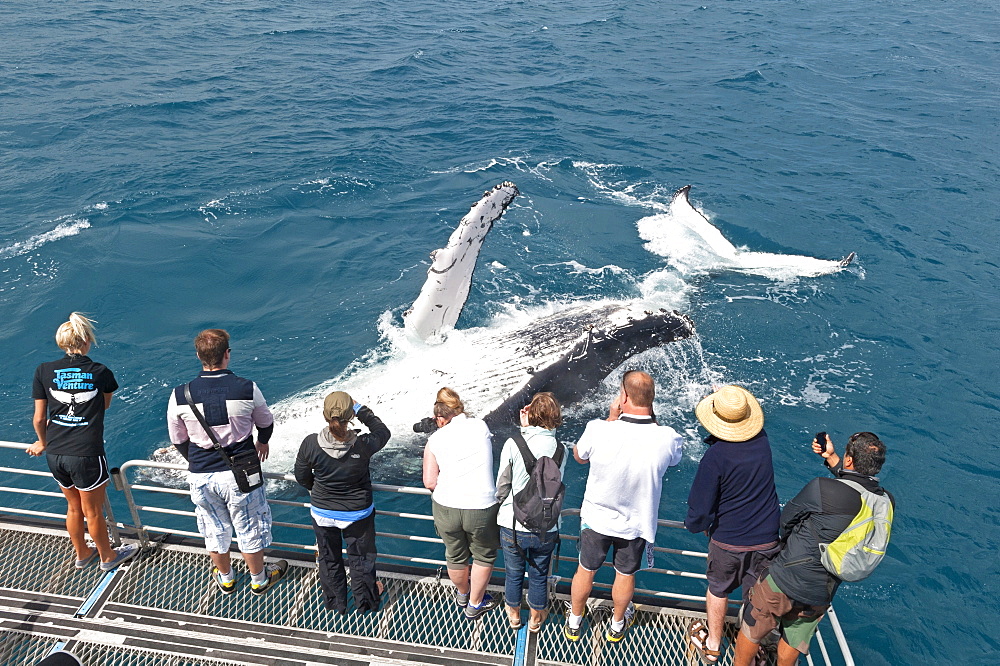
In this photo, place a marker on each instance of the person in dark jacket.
(734, 502)
(333, 465)
(795, 593)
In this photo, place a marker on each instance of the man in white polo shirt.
(628, 455)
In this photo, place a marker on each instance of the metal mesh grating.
(413, 611)
(39, 562)
(17, 648)
(417, 612)
(656, 638)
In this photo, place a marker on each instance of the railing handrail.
(122, 483)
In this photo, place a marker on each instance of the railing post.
(116, 539)
(845, 648)
(121, 483)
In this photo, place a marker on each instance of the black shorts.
(81, 472)
(594, 546)
(728, 570)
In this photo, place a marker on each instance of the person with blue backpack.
(530, 490)
(833, 530)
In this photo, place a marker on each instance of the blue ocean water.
(283, 170)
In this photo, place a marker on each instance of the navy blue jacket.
(733, 496)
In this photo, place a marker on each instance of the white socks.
(227, 577)
(259, 578)
(617, 626)
(575, 620)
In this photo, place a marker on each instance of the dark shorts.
(594, 547)
(769, 608)
(728, 570)
(467, 533)
(81, 472)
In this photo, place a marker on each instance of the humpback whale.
(567, 352)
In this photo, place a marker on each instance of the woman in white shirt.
(458, 469)
(532, 552)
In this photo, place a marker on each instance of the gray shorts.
(467, 533)
(728, 569)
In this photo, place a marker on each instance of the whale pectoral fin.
(846, 261)
(426, 318)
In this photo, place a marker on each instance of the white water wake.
(68, 225)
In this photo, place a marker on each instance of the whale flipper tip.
(846, 261)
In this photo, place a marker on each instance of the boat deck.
(162, 608)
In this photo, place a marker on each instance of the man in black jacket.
(795, 593)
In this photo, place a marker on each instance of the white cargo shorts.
(220, 508)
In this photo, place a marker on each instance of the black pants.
(360, 539)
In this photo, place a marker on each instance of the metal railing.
(113, 526)
(142, 530)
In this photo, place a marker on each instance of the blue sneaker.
(122, 555)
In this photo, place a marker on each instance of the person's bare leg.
(460, 577)
(92, 502)
(255, 561)
(745, 650)
(583, 584)
(480, 578)
(787, 655)
(621, 594)
(222, 561)
(74, 522)
(716, 610)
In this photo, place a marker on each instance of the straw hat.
(731, 414)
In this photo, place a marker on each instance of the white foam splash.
(68, 226)
(399, 379)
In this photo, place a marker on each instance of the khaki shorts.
(768, 608)
(467, 533)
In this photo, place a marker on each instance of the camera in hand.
(427, 424)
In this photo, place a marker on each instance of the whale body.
(567, 352)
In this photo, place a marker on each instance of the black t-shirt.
(74, 387)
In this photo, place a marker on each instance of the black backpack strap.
(560, 453)
(526, 455)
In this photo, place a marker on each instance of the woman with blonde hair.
(71, 395)
(458, 469)
(524, 550)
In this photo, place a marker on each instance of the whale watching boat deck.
(162, 608)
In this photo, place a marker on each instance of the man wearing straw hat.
(732, 500)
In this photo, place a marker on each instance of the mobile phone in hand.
(821, 440)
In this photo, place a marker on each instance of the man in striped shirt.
(232, 407)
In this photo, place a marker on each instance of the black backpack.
(537, 505)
